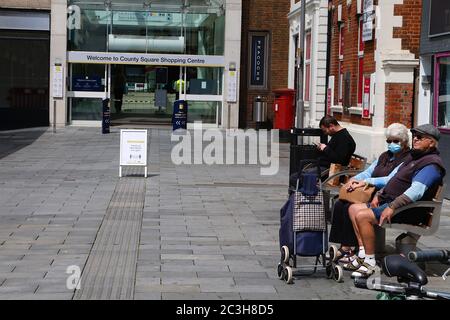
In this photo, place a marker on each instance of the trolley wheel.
(333, 252)
(285, 254)
(280, 271)
(287, 275)
(329, 271)
(338, 273)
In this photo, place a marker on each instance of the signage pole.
(300, 103)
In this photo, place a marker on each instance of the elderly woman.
(378, 174)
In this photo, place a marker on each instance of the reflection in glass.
(198, 30)
(204, 111)
(88, 77)
(86, 109)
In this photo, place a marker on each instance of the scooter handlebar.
(429, 255)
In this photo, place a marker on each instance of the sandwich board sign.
(133, 149)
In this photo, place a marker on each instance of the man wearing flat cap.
(417, 179)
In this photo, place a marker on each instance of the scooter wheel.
(280, 271)
(285, 254)
(338, 273)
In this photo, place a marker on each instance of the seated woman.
(378, 174)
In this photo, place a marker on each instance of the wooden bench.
(407, 241)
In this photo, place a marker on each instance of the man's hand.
(356, 184)
(321, 146)
(375, 202)
(386, 215)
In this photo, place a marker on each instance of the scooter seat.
(405, 270)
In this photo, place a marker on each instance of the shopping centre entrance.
(144, 94)
(143, 58)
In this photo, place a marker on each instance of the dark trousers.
(341, 227)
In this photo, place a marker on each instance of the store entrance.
(143, 94)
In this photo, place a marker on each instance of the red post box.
(284, 109)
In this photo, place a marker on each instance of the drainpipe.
(300, 109)
(329, 31)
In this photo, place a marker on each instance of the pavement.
(186, 232)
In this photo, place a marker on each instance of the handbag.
(358, 195)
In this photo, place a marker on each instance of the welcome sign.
(145, 59)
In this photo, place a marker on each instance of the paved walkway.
(186, 232)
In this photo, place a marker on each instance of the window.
(341, 42)
(307, 66)
(341, 65)
(341, 83)
(442, 92)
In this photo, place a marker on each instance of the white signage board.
(133, 148)
(367, 32)
(58, 81)
(232, 86)
(146, 59)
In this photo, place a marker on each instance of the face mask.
(394, 148)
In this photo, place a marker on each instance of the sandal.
(346, 256)
(351, 267)
(365, 272)
(342, 255)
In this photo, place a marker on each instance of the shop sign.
(258, 67)
(329, 100)
(133, 147)
(366, 100)
(58, 81)
(367, 33)
(92, 83)
(146, 59)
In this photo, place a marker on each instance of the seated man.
(341, 145)
(417, 179)
(339, 149)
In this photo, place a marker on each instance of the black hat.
(427, 129)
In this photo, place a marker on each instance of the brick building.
(373, 66)
(267, 21)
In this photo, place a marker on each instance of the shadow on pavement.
(14, 140)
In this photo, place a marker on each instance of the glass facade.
(164, 26)
(193, 27)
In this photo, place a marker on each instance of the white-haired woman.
(377, 174)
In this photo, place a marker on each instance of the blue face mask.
(394, 148)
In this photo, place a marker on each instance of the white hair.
(399, 131)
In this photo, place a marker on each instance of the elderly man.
(417, 179)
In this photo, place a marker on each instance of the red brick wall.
(399, 106)
(411, 10)
(350, 63)
(269, 16)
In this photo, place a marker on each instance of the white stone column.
(58, 54)
(233, 23)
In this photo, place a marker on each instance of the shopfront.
(143, 55)
(434, 88)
